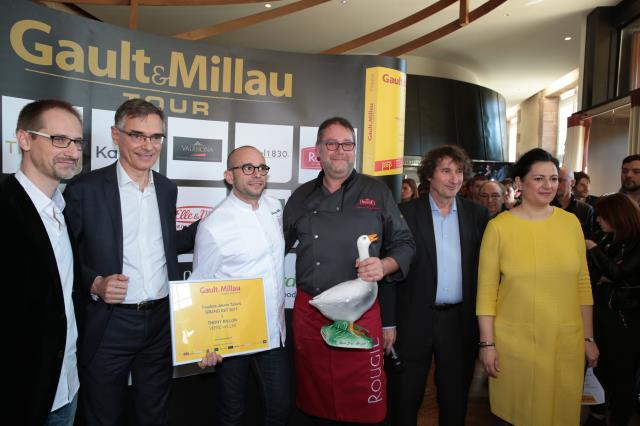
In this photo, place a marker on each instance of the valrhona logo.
(309, 159)
(186, 215)
(195, 149)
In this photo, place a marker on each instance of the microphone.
(394, 362)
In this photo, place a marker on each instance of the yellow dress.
(533, 278)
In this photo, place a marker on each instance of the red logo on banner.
(186, 215)
(391, 164)
(308, 159)
(367, 203)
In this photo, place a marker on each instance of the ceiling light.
(532, 2)
(567, 38)
(343, 2)
(267, 5)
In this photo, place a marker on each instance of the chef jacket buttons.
(337, 208)
(315, 212)
(317, 263)
(315, 236)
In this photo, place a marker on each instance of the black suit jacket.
(93, 210)
(33, 316)
(417, 293)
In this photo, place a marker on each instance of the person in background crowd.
(535, 304)
(614, 263)
(435, 305)
(512, 193)
(492, 196)
(423, 189)
(43, 314)
(242, 237)
(474, 186)
(582, 187)
(566, 201)
(409, 190)
(124, 219)
(326, 216)
(630, 177)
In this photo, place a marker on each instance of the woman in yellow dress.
(534, 304)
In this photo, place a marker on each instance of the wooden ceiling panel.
(202, 33)
(159, 2)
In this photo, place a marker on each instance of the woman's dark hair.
(536, 155)
(430, 161)
(622, 213)
(413, 186)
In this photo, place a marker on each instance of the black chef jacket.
(327, 226)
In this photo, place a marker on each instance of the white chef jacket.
(235, 241)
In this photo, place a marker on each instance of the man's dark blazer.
(33, 315)
(93, 210)
(417, 293)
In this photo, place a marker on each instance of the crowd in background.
(610, 233)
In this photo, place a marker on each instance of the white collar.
(124, 178)
(243, 204)
(39, 199)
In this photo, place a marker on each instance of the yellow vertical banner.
(384, 101)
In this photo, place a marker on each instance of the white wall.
(607, 147)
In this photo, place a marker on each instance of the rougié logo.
(309, 159)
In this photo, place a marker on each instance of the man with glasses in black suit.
(124, 219)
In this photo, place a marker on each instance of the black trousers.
(453, 374)
(618, 339)
(138, 342)
(271, 369)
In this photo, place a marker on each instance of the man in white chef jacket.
(243, 237)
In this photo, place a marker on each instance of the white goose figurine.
(345, 303)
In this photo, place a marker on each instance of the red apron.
(347, 385)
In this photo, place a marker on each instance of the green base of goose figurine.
(338, 335)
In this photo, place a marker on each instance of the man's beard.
(629, 185)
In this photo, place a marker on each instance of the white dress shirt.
(143, 256)
(50, 210)
(235, 241)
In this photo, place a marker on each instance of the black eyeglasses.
(60, 141)
(248, 169)
(333, 145)
(156, 138)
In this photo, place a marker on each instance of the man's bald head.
(565, 182)
(234, 154)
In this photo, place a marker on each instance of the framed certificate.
(223, 316)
